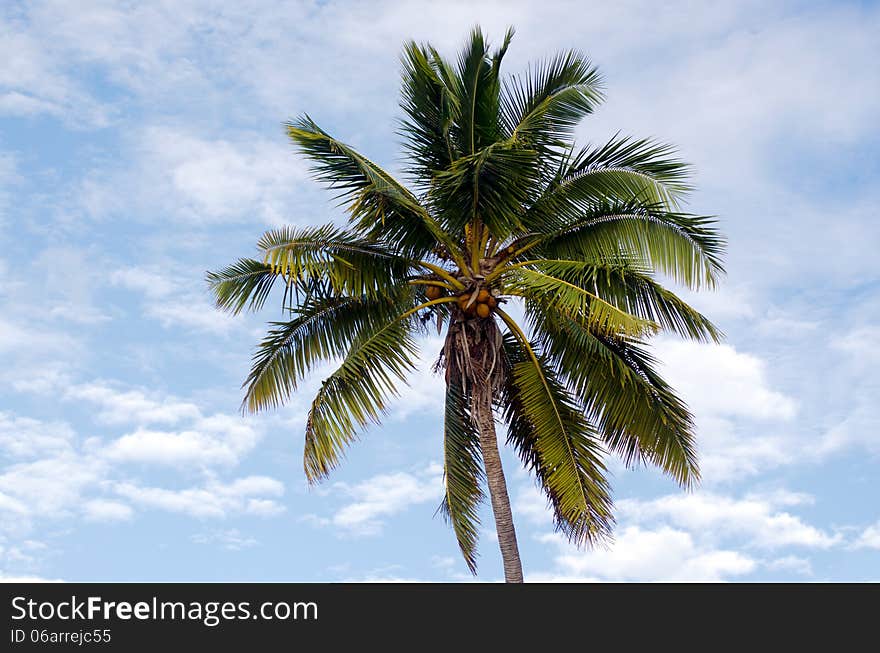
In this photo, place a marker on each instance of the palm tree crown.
(500, 208)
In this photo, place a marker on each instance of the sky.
(142, 144)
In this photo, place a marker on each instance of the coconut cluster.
(473, 303)
(477, 303)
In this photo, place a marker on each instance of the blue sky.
(142, 145)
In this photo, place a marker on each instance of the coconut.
(433, 292)
(483, 310)
(483, 296)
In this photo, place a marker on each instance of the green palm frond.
(479, 87)
(490, 185)
(356, 394)
(635, 292)
(352, 264)
(581, 305)
(686, 248)
(639, 416)
(463, 473)
(543, 107)
(323, 328)
(624, 168)
(430, 99)
(379, 206)
(557, 443)
(245, 283)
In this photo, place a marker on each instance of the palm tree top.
(498, 206)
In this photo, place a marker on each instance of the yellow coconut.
(483, 310)
(483, 296)
(492, 302)
(433, 292)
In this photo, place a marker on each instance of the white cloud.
(869, 538)
(213, 500)
(24, 437)
(27, 579)
(231, 540)
(204, 441)
(686, 537)
(379, 497)
(792, 564)
(176, 174)
(754, 519)
(220, 179)
(719, 381)
(51, 486)
(665, 554)
(170, 300)
(131, 406)
(32, 80)
(151, 283)
(863, 344)
(19, 338)
(214, 441)
(193, 313)
(741, 420)
(71, 277)
(102, 510)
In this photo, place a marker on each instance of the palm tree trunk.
(497, 488)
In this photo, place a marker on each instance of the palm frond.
(245, 283)
(463, 473)
(543, 107)
(635, 292)
(430, 99)
(584, 306)
(323, 328)
(556, 442)
(479, 88)
(490, 186)
(356, 394)
(637, 413)
(686, 248)
(352, 264)
(625, 169)
(380, 207)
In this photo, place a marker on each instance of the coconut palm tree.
(537, 259)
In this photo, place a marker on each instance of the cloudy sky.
(142, 144)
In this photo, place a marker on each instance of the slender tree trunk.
(497, 488)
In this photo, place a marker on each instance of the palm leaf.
(463, 473)
(352, 264)
(543, 107)
(380, 206)
(323, 328)
(557, 443)
(687, 248)
(638, 415)
(635, 292)
(430, 100)
(245, 283)
(356, 394)
(625, 168)
(584, 306)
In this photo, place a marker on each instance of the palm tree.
(538, 260)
